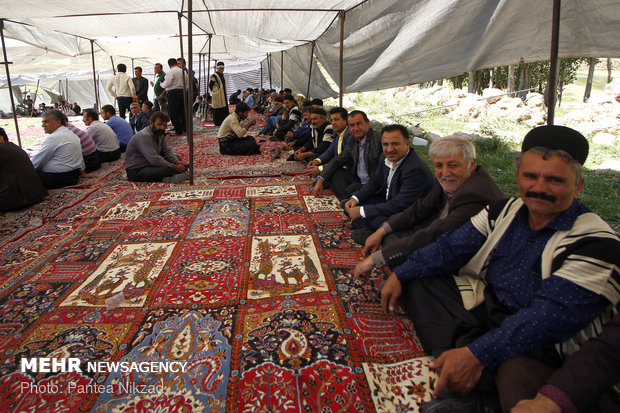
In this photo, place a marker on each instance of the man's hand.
(460, 371)
(539, 404)
(152, 83)
(314, 171)
(353, 210)
(318, 188)
(313, 162)
(290, 145)
(179, 167)
(350, 203)
(363, 269)
(373, 242)
(390, 292)
(163, 94)
(251, 123)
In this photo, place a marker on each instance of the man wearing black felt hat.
(502, 300)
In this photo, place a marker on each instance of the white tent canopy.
(387, 43)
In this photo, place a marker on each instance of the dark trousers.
(124, 102)
(59, 180)
(161, 104)
(435, 306)
(122, 147)
(232, 145)
(344, 183)
(149, 173)
(219, 115)
(92, 162)
(176, 110)
(109, 156)
(371, 222)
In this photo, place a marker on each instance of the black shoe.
(275, 153)
(361, 235)
(291, 158)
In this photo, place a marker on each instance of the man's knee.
(520, 378)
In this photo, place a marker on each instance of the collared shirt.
(103, 135)
(174, 79)
(231, 125)
(87, 142)
(140, 121)
(60, 152)
(145, 149)
(362, 173)
(515, 274)
(250, 101)
(392, 167)
(121, 128)
(121, 85)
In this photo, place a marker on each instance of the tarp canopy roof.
(387, 43)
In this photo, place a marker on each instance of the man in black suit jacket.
(401, 178)
(345, 180)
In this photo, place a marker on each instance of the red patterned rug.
(237, 295)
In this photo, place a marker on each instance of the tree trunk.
(586, 94)
(440, 82)
(511, 78)
(470, 83)
(608, 70)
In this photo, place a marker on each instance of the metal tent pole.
(8, 78)
(92, 53)
(310, 70)
(282, 70)
(208, 65)
(269, 69)
(553, 66)
(189, 115)
(341, 81)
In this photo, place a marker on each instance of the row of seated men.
(66, 153)
(500, 290)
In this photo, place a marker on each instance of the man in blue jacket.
(401, 178)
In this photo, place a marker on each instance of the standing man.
(217, 84)
(361, 154)
(122, 88)
(59, 161)
(161, 103)
(141, 85)
(149, 159)
(120, 126)
(173, 83)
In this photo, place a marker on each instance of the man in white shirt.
(59, 161)
(173, 83)
(108, 147)
(123, 90)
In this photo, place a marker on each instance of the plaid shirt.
(88, 144)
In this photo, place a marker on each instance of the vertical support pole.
(341, 81)
(282, 70)
(553, 66)
(269, 69)
(113, 67)
(183, 72)
(261, 76)
(92, 53)
(208, 65)
(199, 72)
(133, 68)
(189, 115)
(8, 78)
(310, 71)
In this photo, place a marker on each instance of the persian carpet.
(245, 277)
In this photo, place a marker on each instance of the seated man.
(347, 172)
(401, 179)
(149, 159)
(121, 128)
(321, 137)
(139, 120)
(584, 383)
(461, 190)
(341, 136)
(147, 108)
(293, 120)
(273, 117)
(59, 162)
(232, 137)
(108, 148)
(294, 139)
(19, 183)
(234, 97)
(89, 147)
(536, 275)
(248, 98)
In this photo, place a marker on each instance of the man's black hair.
(109, 109)
(242, 107)
(172, 62)
(391, 128)
(338, 109)
(121, 67)
(317, 101)
(359, 112)
(318, 111)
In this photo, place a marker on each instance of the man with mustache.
(461, 190)
(535, 277)
(148, 157)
